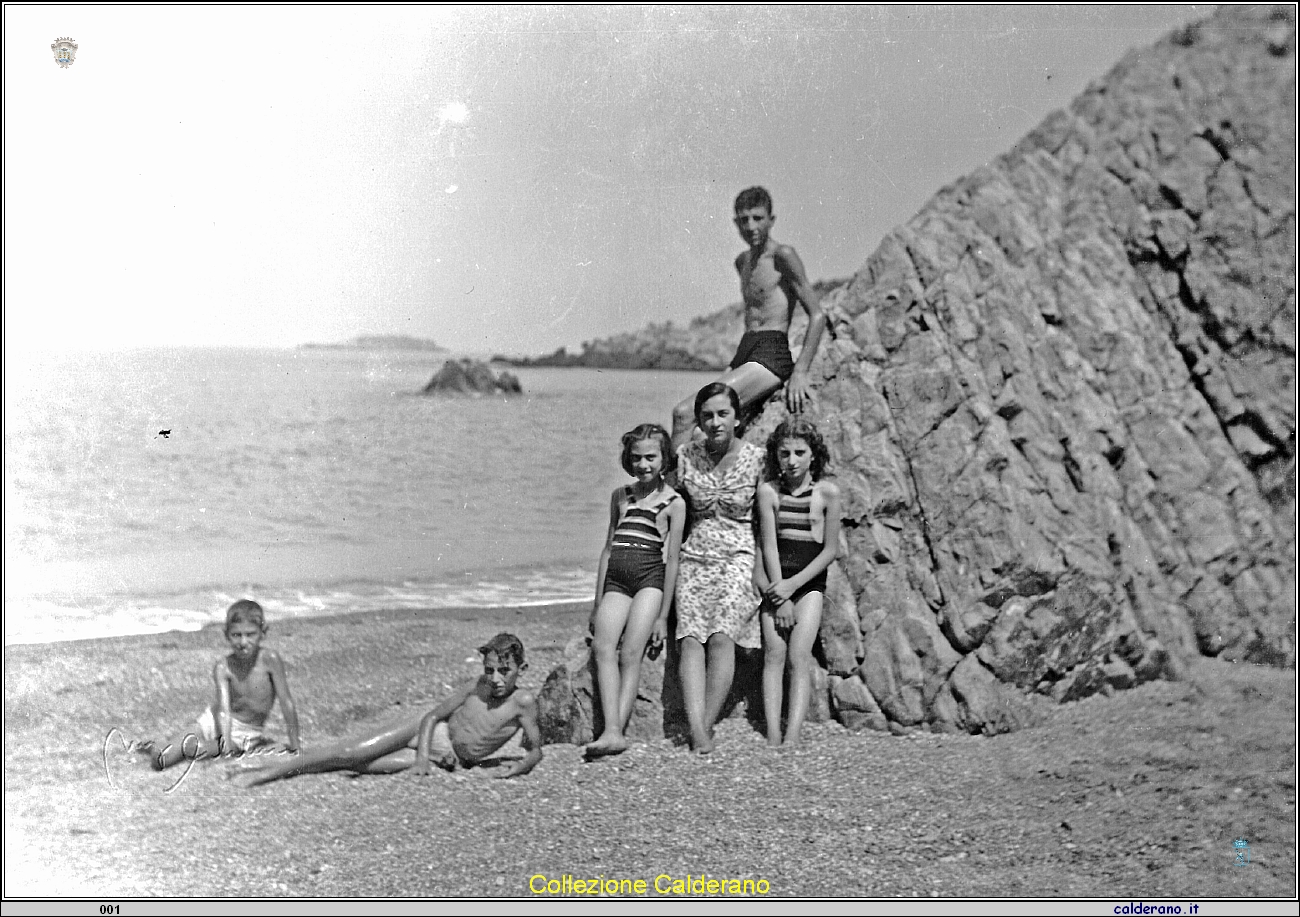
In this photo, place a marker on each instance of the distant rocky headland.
(382, 342)
(706, 344)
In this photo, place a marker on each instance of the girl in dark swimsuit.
(634, 585)
(799, 519)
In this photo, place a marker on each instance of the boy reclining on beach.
(248, 683)
(465, 729)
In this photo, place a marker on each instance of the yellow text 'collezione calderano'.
(662, 884)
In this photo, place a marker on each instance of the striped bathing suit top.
(639, 527)
(794, 517)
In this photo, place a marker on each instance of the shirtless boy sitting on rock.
(772, 280)
(465, 729)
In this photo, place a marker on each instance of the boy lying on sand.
(476, 720)
(248, 683)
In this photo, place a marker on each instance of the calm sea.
(316, 481)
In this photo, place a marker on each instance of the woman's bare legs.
(706, 674)
(692, 671)
(721, 670)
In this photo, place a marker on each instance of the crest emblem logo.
(65, 51)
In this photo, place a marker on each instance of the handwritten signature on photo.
(129, 746)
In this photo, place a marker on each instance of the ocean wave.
(44, 620)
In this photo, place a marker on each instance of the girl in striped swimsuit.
(799, 520)
(634, 585)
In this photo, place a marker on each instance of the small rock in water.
(471, 377)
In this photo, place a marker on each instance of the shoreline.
(456, 612)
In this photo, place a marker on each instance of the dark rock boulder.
(471, 377)
(566, 709)
(853, 704)
(567, 712)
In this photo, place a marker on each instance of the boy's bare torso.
(482, 724)
(252, 693)
(769, 300)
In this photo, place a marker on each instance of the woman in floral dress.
(717, 604)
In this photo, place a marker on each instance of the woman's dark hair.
(649, 431)
(798, 428)
(713, 390)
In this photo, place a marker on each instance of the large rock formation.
(1061, 401)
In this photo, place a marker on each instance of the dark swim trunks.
(795, 555)
(769, 349)
(632, 569)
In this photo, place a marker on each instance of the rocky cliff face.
(1061, 400)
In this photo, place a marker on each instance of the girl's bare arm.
(768, 503)
(672, 551)
(777, 591)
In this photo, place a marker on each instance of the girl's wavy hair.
(798, 428)
(649, 431)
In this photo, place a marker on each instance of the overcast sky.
(497, 179)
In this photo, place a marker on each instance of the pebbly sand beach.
(1142, 793)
